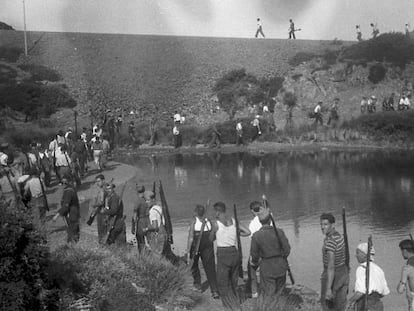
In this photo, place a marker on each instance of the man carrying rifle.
(270, 252)
(141, 218)
(115, 221)
(34, 189)
(377, 287)
(199, 245)
(156, 233)
(228, 260)
(97, 205)
(335, 275)
(70, 209)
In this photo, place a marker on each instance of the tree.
(290, 101)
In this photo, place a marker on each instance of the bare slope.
(141, 72)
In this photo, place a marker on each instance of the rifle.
(239, 247)
(367, 272)
(292, 280)
(95, 212)
(345, 237)
(198, 241)
(114, 218)
(166, 213)
(153, 190)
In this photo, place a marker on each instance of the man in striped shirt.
(335, 275)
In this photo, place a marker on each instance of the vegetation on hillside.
(394, 48)
(4, 26)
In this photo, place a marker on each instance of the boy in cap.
(407, 272)
(70, 209)
(378, 287)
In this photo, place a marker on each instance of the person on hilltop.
(335, 275)
(200, 229)
(269, 252)
(140, 218)
(224, 230)
(358, 33)
(375, 30)
(378, 287)
(70, 209)
(259, 29)
(406, 283)
(292, 30)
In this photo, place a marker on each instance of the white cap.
(363, 247)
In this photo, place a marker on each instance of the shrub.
(301, 57)
(10, 54)
(41, 73)
(24, 257)
(377, 73)
(24, 136)
(391, 47)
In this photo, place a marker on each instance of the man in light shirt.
(318, 113)
(34, 189)
(259, 29)
(378, 287)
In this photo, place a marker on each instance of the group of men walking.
(369, 105)
(291, 30)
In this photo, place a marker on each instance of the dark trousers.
(292, 34)
(239, 140)
(177, 141)
(269, 286)
(73, 232)
(374, 303)
(318, 118)
(227, 276)
(259, 31)
(102, 228)
(206, 252)
(339, 289)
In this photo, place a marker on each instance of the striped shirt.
(334, 242)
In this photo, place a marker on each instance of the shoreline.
(264, 147)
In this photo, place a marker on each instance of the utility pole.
(24, 31)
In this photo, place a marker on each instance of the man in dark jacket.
(141, 219)
(270, 253)
(114, 210)
(70, 209)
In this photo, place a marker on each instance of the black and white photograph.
(206, 155)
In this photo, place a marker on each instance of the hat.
(3, 159)
(363, 247)
(373, 97)
(148, 195)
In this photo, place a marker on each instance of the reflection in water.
(374, 187)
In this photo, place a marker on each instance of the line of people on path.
(369, 105)
(291, 29)
(317, 114)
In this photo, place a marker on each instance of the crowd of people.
(375, 31)
(369, 105)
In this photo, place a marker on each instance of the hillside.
(140, 72)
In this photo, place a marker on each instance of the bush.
(24, 136)
(377, 73)
(301, 57)
(41, 73)
(24, 258)
(395, 48)
(10, 54)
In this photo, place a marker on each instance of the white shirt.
(33, 184)
(62, 158)
(255, 225)
(155, 213)
(177, 117)
(198, 224)
(405, 102)
(259, 24)
(265, 109)
(377, 281)
(226, 235)
(175, 130)
(3, 158)
(239, 127)
(317, 109)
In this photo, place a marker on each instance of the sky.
(318, 19)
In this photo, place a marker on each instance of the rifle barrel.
(239, 247)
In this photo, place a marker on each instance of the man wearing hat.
(155, 232)
(378, 287)
(140, 219)
(114, 212)
(70, 209)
